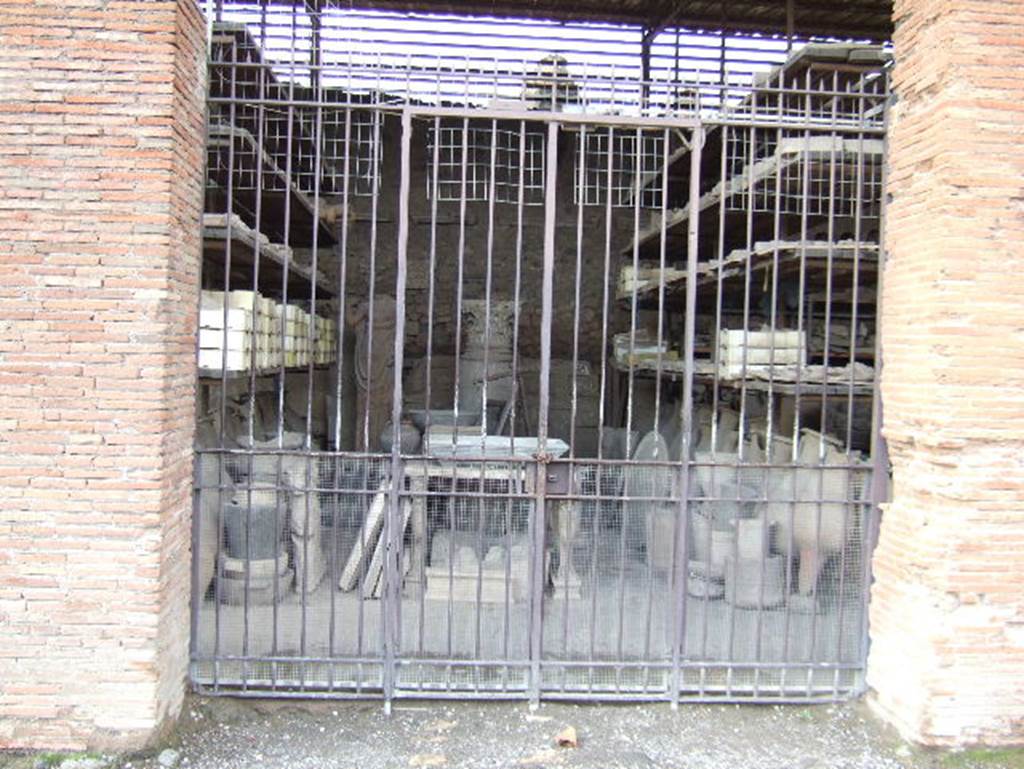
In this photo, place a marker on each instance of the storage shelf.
(239, 72)
(214, 376)
(278, 195)
(814, 256)
(830, 66)
(782, 384)
(274, 259)
(818, 151)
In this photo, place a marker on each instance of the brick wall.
(947, 612)
(100, 191)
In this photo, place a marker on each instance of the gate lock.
(558, 476)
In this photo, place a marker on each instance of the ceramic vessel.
(253, 531)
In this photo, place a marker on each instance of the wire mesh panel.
(518, 162)
(609, 605)
(633, 156)
(279, 532)
(352, 151)
(549, 382)
(465, 615)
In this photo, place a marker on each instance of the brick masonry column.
(101, 161)
(947, 613)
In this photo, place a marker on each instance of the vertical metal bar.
(751, 204)
(879, 450)
(309, 461)
(830, 255)
(516, 471)
(393, 521)
(790, 24)
(564, 552)
(341, 252)
(315, 49)
(565, 549)
(801, 324)
(829, 261)
(645, 68)
(721, 67)
(371, 291)
(483, 506)
(295, 116)
(848, 473)
(228, 241)
(662, 247)
(431, 290)
(605, 368)
(367, 446)
(769, 396)
(365, 475)
(628, 520)
(250, 421)
(675, 72)
(540, 516)
(507, 602)
(280, 383)
(681, 571)
(595, 544)
(578, 279)
(855, 287)
(605, 309)
(727, 134)
(658, 509)
(464, 161)
(637, 163)
(197, 593)
(517, 289)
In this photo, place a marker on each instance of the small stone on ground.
(87, 762)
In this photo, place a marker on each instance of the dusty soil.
(221, 733)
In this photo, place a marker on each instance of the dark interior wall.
(364, 219)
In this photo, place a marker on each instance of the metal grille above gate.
(555, 384)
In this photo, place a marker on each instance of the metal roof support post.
(315, 46)
(645, 67)
(790, 23)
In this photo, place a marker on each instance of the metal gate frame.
(393, 657)
(553, 122)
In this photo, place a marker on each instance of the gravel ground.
(235, 734)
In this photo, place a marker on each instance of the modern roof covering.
(845, 19)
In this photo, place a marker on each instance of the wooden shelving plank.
(815, 256)
(273, 259)
(784, 383)
(213, 375)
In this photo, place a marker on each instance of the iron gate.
(536, 400)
